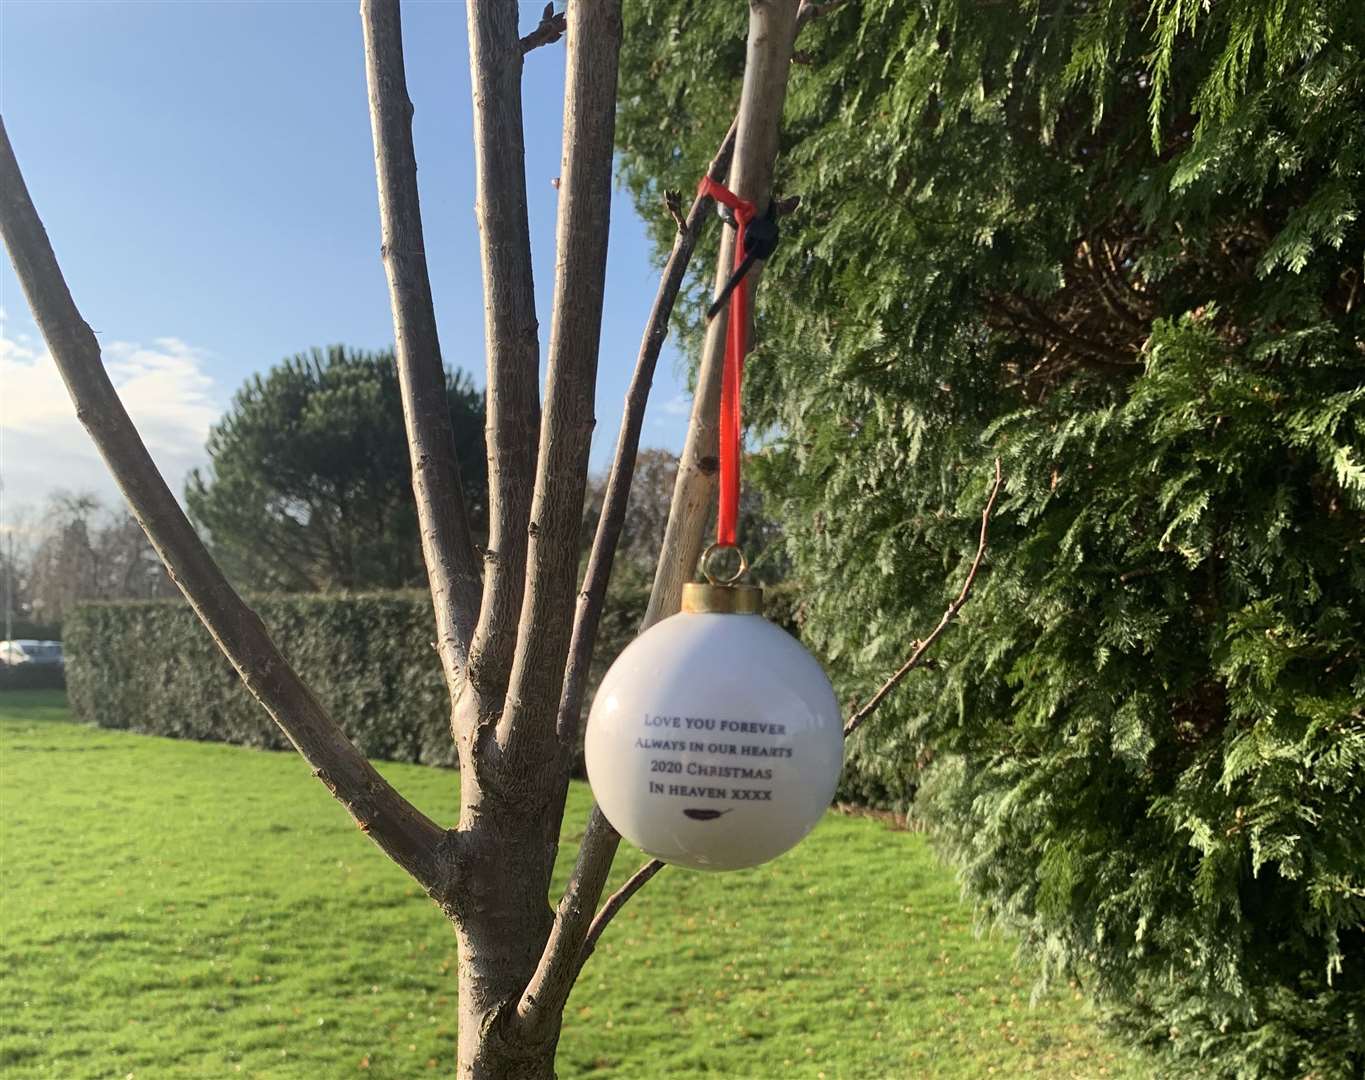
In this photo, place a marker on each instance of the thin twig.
(550, 30)
(615, 902)
(673, 204)
(917, 656)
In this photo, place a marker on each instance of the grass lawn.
(176, 909)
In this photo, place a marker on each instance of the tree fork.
(509, 806)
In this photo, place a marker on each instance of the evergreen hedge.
(150, 666)
(1120, 246)
(31, 677)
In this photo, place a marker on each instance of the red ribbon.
(732, 377)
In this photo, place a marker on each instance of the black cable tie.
(760, 241)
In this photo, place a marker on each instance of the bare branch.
(447, 546)
(922, 647)
(615, 902)
(772, 30)
(544, 997)
(526, 730)
(511, 341)
(405, 834)
(550, 30)
(617, 495)
(772, 27)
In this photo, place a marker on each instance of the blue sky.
(205, 172)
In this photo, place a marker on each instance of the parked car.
(31, 651)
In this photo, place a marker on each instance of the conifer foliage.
(1119, 245)
(308, 488)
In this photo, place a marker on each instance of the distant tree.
(308, 486)
(1121, 245)
(15, 552)
(642, 535)
(81, 551)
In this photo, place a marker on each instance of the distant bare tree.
(80, 551)
(651, 494)
(651, 500)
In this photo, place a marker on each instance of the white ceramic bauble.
(714, 741)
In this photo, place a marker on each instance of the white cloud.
(163, 386)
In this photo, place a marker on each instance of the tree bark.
(508, 804)
(447, 546)
(527, 732)
(512, 351)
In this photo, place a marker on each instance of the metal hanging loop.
(712, 569)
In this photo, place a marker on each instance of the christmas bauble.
(715, 739)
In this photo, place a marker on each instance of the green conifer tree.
(1119, 245)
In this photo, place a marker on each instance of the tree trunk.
(502, 930)
(518, 960)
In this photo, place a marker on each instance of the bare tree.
(651, 498)
(81, 551)
(515, 627)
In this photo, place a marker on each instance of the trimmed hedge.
(150, 666)
(31, 677)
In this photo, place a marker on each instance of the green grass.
(177, 909)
